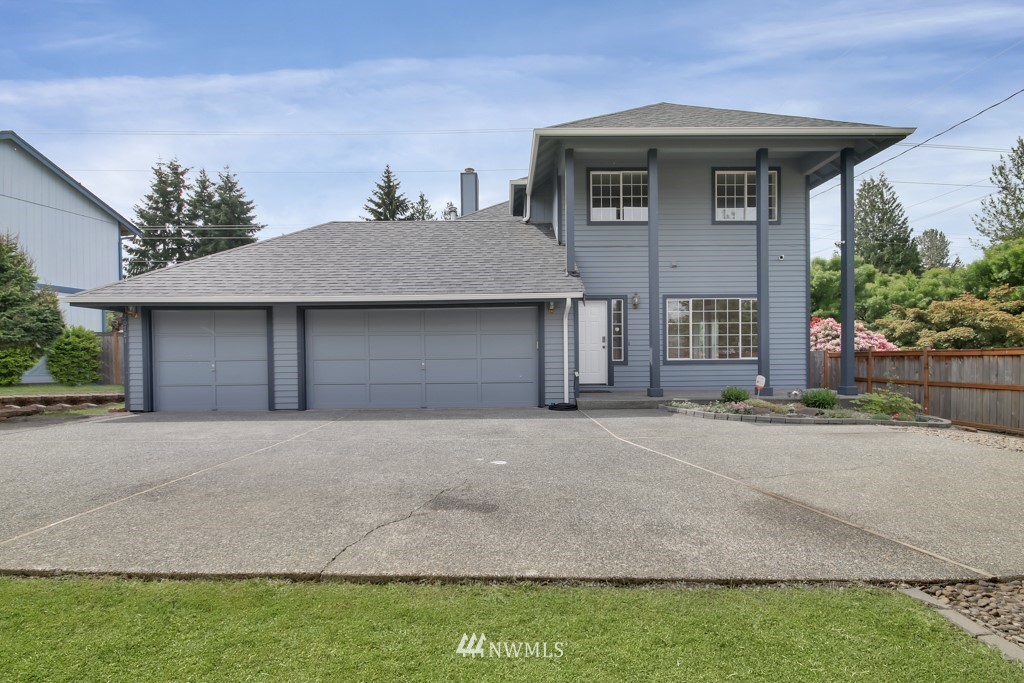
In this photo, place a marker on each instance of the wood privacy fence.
(976, 388)
(111, 365)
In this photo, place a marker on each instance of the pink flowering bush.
(825, 337)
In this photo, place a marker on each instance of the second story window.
(618, 196)
(736, 196)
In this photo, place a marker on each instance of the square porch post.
(653, 274)
(762, 216)
(847, 385)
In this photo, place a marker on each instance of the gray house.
(665, 247)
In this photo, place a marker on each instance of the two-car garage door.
(205, 359)
(410, 358)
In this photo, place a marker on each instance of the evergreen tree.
(199, 207)
(30, 318)
(1002, 214)
(882, 230)
(421, 210)
(161, 217)
(231, 217)
(386, 203)
(451, 212)
(933, 246)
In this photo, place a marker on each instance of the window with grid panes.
(736, 195)
(710, 329)
(618, 196)
(618, 330)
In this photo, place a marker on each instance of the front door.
(593, 342)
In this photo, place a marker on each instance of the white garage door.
(210, 360)
(432, 358)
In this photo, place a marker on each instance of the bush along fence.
(982, 388)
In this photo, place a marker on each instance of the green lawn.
(52, 388)
(114, 630)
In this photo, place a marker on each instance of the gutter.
(565, 350)
(87, 301)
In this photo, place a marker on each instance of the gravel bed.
(1005, 441)
(997, 605)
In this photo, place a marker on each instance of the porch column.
(570, 211)
(847, 385)
(653, 274)
(763, 338)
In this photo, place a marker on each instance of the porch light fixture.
(551, 307)
(131, 312)
(635, 300)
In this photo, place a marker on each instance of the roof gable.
(121, 221)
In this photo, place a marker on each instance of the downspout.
(565, 350)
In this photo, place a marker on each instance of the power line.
(950, 208)
(54, 208)
(278, 133)
(967, 148)
(309, 172)
(919, 144)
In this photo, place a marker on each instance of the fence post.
(824, 369)
(871, 370)
(925, 371)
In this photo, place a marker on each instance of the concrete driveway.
(531, 493)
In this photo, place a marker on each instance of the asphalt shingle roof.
(498, 212)
(363, 261)
(667, 115)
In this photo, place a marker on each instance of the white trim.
(143, 300)
(746, 131)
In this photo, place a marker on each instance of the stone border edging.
(53, 399)
(933, 422)
(973, 628)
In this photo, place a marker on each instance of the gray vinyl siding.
(553, 378)
(541, 203)
(71, 241)
(134, 382)
(286, 358)
(698, 258)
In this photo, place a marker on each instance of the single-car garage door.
(210, 360)
(432, 358)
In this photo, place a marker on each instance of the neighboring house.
(71, 235)
(665, 247)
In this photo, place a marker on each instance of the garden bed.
(799, 415)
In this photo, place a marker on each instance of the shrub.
(735, 395)
(15, 362)
(75, 357)
(824, 399)
(825, 337)
(889, 402)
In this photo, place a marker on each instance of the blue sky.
(363, 71)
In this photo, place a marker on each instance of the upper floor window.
(736, 195)
(618, 196)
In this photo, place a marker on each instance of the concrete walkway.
(532, 493)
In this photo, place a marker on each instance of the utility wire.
(278, 133)
(919, 144)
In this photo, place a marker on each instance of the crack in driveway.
(390, 522)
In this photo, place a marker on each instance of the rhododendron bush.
(825, 337)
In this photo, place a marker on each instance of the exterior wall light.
(551, 307)
(635, 300)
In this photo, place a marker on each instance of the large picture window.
(711, 329)
(736, 195)
(618, 196)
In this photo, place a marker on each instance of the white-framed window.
(618, 330)
(618, 196)
(736, 195)
(710, 329)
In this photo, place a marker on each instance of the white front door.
(593, 342)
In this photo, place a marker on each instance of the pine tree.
(1002, 214)
(386, 203)
(30, 318)
(882, 231)
(933, 246)
(198, 212)
(161, 218)
(421, 210)
(232, 217)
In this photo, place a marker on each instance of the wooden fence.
(976, 388)
(111, 361)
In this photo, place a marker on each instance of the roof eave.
(85, 300)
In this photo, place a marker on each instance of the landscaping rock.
(998, 605)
